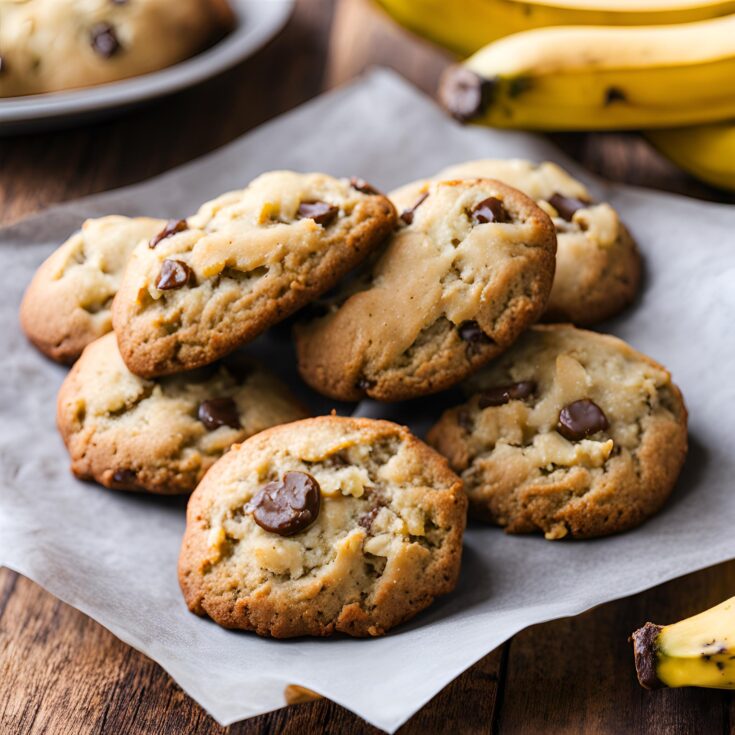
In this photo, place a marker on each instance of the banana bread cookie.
(68, 303)
(598, 266)
(324, 525)
(162, 435)
(51, 45)
(571, 433)
(468, 271)
(244, 262)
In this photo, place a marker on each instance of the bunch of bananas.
(665, 66)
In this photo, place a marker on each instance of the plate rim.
(258, 21)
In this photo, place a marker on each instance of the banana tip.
(464, 94)
(644, 651)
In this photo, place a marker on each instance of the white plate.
(257, 22)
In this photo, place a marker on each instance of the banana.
(706, 151)
(464, 26)
(593, 78)
(696, 652)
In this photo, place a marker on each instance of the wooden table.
(62, 673)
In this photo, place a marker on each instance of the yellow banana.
(593, 78)
(707, 151)
(696, 652)
(464, 26)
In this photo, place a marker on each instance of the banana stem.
(646, 655)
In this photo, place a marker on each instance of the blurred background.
(325, 43)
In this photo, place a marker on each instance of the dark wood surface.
(62, 673)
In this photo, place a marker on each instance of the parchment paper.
(113, 555)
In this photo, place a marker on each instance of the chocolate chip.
(174, 274)
(364, 384)
(172, 227)
(489, 210)
(124, 477)
(464, 94)
(3, 65)
(505, 393)
(216, 412)
(566, 206)
(104, 40)
(321, 212)
(471, 333)
(407, 214)
(614, 94)
(288, 506)
(581, 419)
(366, 519)
(363, 186)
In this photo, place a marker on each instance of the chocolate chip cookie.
(571, 433)
(598, 266)
(52, 45)
(162, 435)
(68, 303)
(469, 269)
(324, 525)
(244, 262)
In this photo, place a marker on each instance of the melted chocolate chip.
(174, 274)
(366, 519)
(124, 477)
(407, 214)
(172, 227)
(104, 40)
(288, 506)
(216, 412)
(581, 419)
(321, 212)
(464, 94)
(489, 210)
(566, 206)
(364, 384)
(363, 186)
(471, 333)
(505, 393)
(3, 65)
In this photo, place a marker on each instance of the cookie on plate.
(325, 525)
(162, 435)
(68, 303)
(52, 45)
(598, 266)
(468, 271)
(244, 262)
(571, 433)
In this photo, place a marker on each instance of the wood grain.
(60, 672)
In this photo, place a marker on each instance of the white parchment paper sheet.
(113, 555)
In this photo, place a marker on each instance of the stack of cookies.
(303, 525)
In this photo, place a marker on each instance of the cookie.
(598, 266)
(68, 303)
(325, 525)
(53, 45)
(244, 262)
(468, 271)
(571, 433)
(162, 435)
